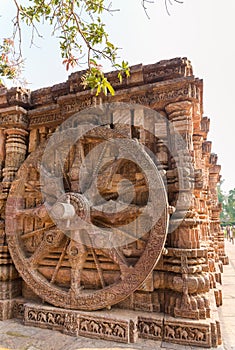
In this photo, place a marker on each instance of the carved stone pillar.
(15, 121)
(209, 213)
(186, 262)
(15, 152)
(180, 173)
(13, 147)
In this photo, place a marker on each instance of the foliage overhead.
(80, 27)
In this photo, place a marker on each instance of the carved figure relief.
(186, 334)
(108, 329)
(150, 329)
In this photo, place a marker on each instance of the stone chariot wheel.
(81, 237)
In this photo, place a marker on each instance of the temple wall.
(186, 282)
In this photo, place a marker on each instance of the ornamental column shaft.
(181, 175)
(13, 149)
(185, 258)
(15, 152)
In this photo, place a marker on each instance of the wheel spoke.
(51, 239)
(53, 278)
(97, 263)
(36, 232)
(77, 254)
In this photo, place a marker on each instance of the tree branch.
(143, 2)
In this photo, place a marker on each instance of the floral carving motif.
(18, 309)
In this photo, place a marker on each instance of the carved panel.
(150, 329)
(73, 105)
(182, 333)
(75, 323)
(104, 328)
(14, 117)
(47, 118)
(158, 96)
(46, 317)
(19, 308)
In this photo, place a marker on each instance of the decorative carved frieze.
(45, 116)
(104, 328)
(158, 95)
(150, 329)
(187, 334)
(119, 326)
(73, 104)
(76, 323)
(13, 117)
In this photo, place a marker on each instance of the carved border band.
(182, 333)
(119, 329)
(76, 324)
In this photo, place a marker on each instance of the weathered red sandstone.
(162, 286)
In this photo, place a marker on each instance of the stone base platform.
(122, 326)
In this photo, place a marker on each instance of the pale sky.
(202, 30)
